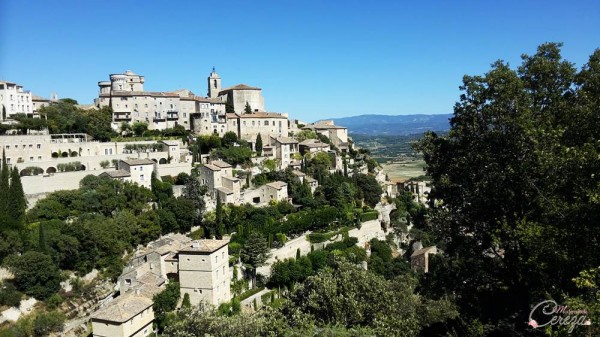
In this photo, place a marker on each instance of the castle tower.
(214, 84)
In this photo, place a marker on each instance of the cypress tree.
(17, 202)
(4, 193)
(247, 108)
(259, 145)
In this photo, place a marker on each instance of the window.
(39, 146)
(252, 123)
(145, 105)
(266, 122)
(39, 157)
(8, 160)
(8, 147)
(30, 158)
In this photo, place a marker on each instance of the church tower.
(214, 84)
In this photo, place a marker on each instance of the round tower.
(214, 84)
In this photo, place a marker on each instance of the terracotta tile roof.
(231, 115)
(205, 246)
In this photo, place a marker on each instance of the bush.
(104, 164)
(54, 301)
(9, 295)
(47, 323)
(32, 171)
(69, 167)
(367, 216)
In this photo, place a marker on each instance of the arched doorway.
(162, 161)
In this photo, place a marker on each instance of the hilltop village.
(203, 158)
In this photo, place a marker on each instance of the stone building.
(201, 267)
(130, 315)
(218, 178)
(419, 260)
(284, 149)
(204, 271)
(14, 100)
(337, 134)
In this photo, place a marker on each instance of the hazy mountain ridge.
(394, 124)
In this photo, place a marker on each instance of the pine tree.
(247, 108)
(259, 145)
(186, 303)
(4, 193)
(17, 202)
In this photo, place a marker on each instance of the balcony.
(122, 117)
(172, 115)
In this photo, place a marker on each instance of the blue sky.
(313, 59)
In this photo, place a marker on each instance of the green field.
(404, 169)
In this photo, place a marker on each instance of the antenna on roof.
(213, 69)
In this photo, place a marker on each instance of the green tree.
(519, 196)
(186, 304)
(4, 195)
(139, 128)
(229, 105)
(47, 323)
(35, 274)
(229, 139)
(259, 145)
(16, 202)
(353, 297)
(254, 254)
(165, 302)
(247, 108)
(369, 187)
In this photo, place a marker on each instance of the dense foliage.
(516, 191)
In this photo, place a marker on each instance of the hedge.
(367, 216)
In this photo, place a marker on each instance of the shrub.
(9, 295)
(47, 323)
(104, 164)
(367, 216)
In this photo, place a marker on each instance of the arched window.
(215, 83)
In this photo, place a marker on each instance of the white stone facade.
(14, 100)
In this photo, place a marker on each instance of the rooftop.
(224, 190)
(277, 185)
(170, 142)
(422, 251)
(313, 143)
(221, 164)
(298, 173)
(212, 167)
(123, 308)
(286, 140)
(135, 162)
(241, 87)
(262, 115)
(205, 246)
(117, 174)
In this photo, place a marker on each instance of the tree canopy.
(516, 188)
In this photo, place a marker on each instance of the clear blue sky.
(313, 59)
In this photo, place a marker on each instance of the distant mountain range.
(394, 125)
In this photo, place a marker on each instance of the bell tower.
(214, 84)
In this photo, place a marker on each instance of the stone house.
(419, 260)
